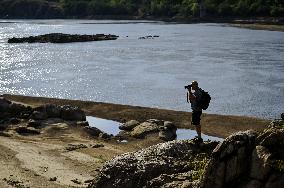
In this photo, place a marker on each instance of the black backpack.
(204, 100)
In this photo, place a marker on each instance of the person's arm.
(190, 96)
(187, 95)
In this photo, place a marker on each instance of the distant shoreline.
(270, 24)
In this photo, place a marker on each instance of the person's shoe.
(198, 139)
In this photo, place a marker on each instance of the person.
(193, 97)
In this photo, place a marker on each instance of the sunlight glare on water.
(242, 69)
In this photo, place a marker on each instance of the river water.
(242, 69)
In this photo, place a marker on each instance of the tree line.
(142, 8)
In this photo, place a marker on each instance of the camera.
(187, 87)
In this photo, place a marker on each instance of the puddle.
(111, 127)
(184, 134)
(107, 126)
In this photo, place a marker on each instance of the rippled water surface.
(242, 69)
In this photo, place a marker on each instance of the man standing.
(193, 96)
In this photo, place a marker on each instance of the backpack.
(204, 100)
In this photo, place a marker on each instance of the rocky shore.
(62, 38)
(244, 160)
(48, 143)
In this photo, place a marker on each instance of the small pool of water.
(107, 126)
(111, 127)
(184, 134)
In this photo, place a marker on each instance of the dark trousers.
(196, 117)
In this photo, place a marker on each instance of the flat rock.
(62, 38)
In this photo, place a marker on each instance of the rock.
(3, 127)
(53, 179)
(253, 184)
(27, 131)
(25, 115)
(229, 160)
(82, 123)
(4, 104)
(93, 131)
(62, 38)
(167, 134)
(72, 113)
(276, 124)
(275, 181)
(138, 169)
(97, 145)
(5, 134)
(156, 121)
(260, 168)
(72, 147)
(17, 109)
(39, 115)
(168, 131)
(169, 125)
(76, 181)
(34, 123)
(232, 143)
(141, 130)
(14, 121)
(105, 135)
(172, 180)
(271, 138)
(128, 126)
(52, 110)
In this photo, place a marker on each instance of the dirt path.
(43, 161)
(46, 160)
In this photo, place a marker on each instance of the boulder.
(93, 131)
(4, 104)
(72, 113)
(141, 130)
(34, 123)
(260, 167)
(52, 110)
(168, 131)
(156, 121)
(82, 123)
(3, 127)
(39, 115)
(128, 126)
(14, 121)
(17, 109)
(72, 147)
(105, 135)
(253, 184)
(229, 160)
(27, 130)
(275, 181)
(151, 166)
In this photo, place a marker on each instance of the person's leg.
(198, 130)
(196, 122)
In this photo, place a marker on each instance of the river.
(242, 69)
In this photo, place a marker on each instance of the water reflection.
(107, 126)
(111, 127)
(183, 134)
